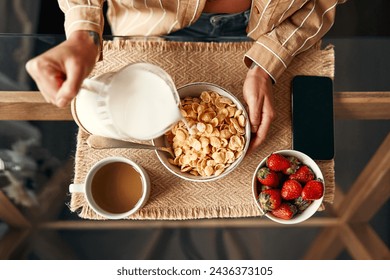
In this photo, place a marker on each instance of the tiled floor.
(356, 141)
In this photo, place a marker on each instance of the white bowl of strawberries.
(288, 186)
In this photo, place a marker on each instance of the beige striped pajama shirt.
(280, 29)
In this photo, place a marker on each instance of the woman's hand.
(60, 71)
(258, 96)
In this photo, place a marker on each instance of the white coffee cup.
(115, 187)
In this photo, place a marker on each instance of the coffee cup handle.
(77, 188)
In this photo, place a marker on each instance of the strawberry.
(291, 189)
(264, 187)
(301, 204)
(267, 177)
(294, 165)
(313, 189)
(285, 211)
(304, 174)
(278, 162)
(270, 199)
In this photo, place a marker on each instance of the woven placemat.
(220, 63)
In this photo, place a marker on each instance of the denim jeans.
(216, 26)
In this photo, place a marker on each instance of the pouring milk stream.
(139, 102)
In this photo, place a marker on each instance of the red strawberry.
(267, 177)
(304, 174)
(294, 165)
(313, 189)
(278, 162)
(270, 199)
(285, 211)
(291, 189)
(302, 204)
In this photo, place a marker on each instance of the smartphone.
(312, 116)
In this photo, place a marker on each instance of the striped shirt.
(280, 29)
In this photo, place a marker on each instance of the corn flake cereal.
(212, 138)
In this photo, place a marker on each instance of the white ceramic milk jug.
(138, 102)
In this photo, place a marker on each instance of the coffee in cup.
(115, 187)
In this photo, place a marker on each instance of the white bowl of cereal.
(217, 139)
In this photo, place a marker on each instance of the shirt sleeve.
(278, 40)
(83, 15)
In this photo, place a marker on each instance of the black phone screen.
(312, 116)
